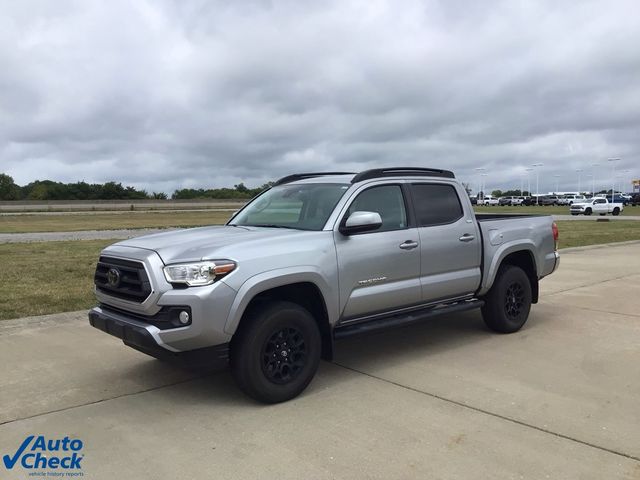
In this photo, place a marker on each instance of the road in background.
(81, 235)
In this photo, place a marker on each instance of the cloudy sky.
(171, 94)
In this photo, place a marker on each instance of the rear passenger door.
(450, 247)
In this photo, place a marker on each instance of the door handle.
(467, 237)
(408, 245)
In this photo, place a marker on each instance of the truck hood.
(194, 244)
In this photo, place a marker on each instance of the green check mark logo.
(10, 462)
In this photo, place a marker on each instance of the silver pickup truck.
(316, 258)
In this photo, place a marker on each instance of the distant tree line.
(238, 191)
(510, 193)
(50, 190)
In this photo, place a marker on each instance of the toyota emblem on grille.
(113, 277)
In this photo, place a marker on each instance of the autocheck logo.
(40, 453)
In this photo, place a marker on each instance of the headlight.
(198, 273)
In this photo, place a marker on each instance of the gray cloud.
(164, 95)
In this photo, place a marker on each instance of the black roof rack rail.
(302, 176)
(400, 172)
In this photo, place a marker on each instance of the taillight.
(556, 234)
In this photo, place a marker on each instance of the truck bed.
(506, 233)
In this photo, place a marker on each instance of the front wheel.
(276, 352)
(507, 304)
(588, 211)
(616, 211)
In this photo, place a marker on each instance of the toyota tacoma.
(316, 258)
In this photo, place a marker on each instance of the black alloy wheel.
(284, 355)
(507, 304)
(276, 351)
(514, 300)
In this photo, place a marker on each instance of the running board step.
(404, 319)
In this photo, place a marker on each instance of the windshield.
(303, 207)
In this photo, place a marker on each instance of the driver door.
(379, 270)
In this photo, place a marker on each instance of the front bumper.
(146, 339)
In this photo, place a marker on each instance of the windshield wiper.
(270, 225)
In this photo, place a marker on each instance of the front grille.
(124, 279)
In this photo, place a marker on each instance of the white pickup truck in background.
(488, 201)
(599, 205)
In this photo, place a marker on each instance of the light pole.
(557, 188)
(529, 181)
(480, 170)
(536, 166)
(613, 175)
(579, 171)
(621, 175)
(593, 179)
(483, 185)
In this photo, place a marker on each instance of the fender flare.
(503, 252)
(279, 278)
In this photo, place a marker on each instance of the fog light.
(184, 317)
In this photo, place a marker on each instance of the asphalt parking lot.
(446, 399)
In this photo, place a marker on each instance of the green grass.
(550, 210)
(109, 221)
(49, 277)
(578, 234)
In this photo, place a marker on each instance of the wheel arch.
(524, 259)
(305, 290)
(519, 256)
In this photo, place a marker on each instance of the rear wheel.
(276, 353)
(616, 211)
(507, 304)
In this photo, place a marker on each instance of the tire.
(508, 303)
(264, 373)
(616, 211)
(588, 211)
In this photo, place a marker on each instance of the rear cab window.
(435, 204)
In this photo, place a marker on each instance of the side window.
(388, 201)
(435, 204)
